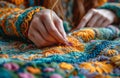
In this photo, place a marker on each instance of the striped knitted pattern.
(93, 52)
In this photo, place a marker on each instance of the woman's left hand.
(97, 18)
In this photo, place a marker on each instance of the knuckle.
(97, 13)
(44, 15)
(37, 14)
(94, 10)
(52, 30)
(105, 18)
(60, 21)
(102, 16)
(84, 19)
(35, 20)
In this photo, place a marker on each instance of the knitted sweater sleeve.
(115, 7)
(14, 22)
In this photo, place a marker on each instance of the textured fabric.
(93, 52)
(14, 22)
(114, 6)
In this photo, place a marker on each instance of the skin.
(97, 18)
(46, 30)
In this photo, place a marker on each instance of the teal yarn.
(108, 33)
(31, 2)
(21, 18)
(4, 73)
(70, 57)
(105, 39)
(112, 7)
(92, 49)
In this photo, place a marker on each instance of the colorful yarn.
(116, 60)
(101, 2)
(100, 67)
(4, 56)
(33, 70)
(23, 16)
(11, 66)
(26, 75)
(17, 2)
(92, 53)
(86, 35)
(56, 76)
(66, 66)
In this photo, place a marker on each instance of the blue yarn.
(82, 56)
(21, 19)
(31, 2)
(4, 73)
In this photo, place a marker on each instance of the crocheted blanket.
(93, 53)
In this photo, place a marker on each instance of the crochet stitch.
(93, 52)
(78, 58)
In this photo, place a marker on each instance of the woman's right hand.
(46, 29)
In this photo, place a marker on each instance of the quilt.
(92, 53)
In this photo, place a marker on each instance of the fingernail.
(70, 44)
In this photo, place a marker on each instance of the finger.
(106, 23)
(93, 20)
(59, 25)
(85, 19)
(38, 40)
(42, 30)
(52, 29)
(100, 21)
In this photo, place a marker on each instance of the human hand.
(46, 30)
(97, 18)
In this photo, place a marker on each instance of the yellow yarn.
(4, 56)
(76, 46)
(100, 67)
(116, 60)
(101, 2)
(102, 76)
(111, 52)
(85, 34)
(17, 2)
(76, 43)
(33, 70)
(52, 51)
(66, 66)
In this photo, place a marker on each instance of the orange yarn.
(116, 60)
(76, 43)
(17, 2)
(100, 67)
(33, 57)
(12, 27)
(52, 51)
(111, 52)
(75, 47)
(25, 24)
(66, 66)
(101, 2)
(33, 70)
(4, 56)
(102, 76)
(85, 34)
